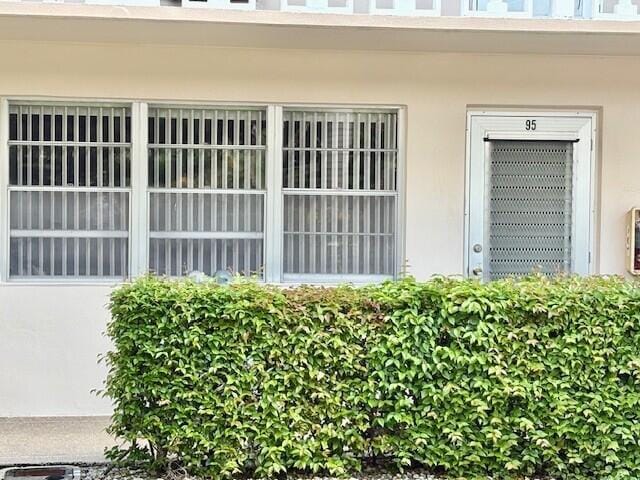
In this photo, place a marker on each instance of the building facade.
(300, 143)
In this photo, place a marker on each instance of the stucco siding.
(50, 336)
(50, 339)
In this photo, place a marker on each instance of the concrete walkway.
(38, 440)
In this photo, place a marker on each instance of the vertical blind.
(206, 190)
(69, 187)
(340, 192)
(530, 207)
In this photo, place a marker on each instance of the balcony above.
(532, 9)
(255, 26)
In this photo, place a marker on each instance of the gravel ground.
(101, 472)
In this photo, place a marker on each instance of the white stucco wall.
(50, 335)
(50, 338)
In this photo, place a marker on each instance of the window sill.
(62, 283)
(287, 282)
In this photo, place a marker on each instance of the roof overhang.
(30, 21)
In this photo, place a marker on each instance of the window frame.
(150, 190)
(398, 195)
(138, 254)
(7, 189)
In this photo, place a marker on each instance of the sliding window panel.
(339, 235)
(207, 185)
(339, 176)
(69, 191)
(206, 232)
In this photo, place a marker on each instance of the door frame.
(549, 125)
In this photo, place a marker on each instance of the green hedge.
(505, 379)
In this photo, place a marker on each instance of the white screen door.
(529, 195)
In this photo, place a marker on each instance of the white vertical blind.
(206, 190)
(205, 197)
(340, 194)
(69, 187)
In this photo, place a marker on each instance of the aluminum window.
(206, 190)
(69, 187)
(101, 192)
(339, 177)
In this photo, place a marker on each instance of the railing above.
(320, 6)
(620, 10)
(409, 8)
(556, 9)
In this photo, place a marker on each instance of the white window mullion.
(400, 187)
(139, 204)
(4, 189)
(273, 204)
